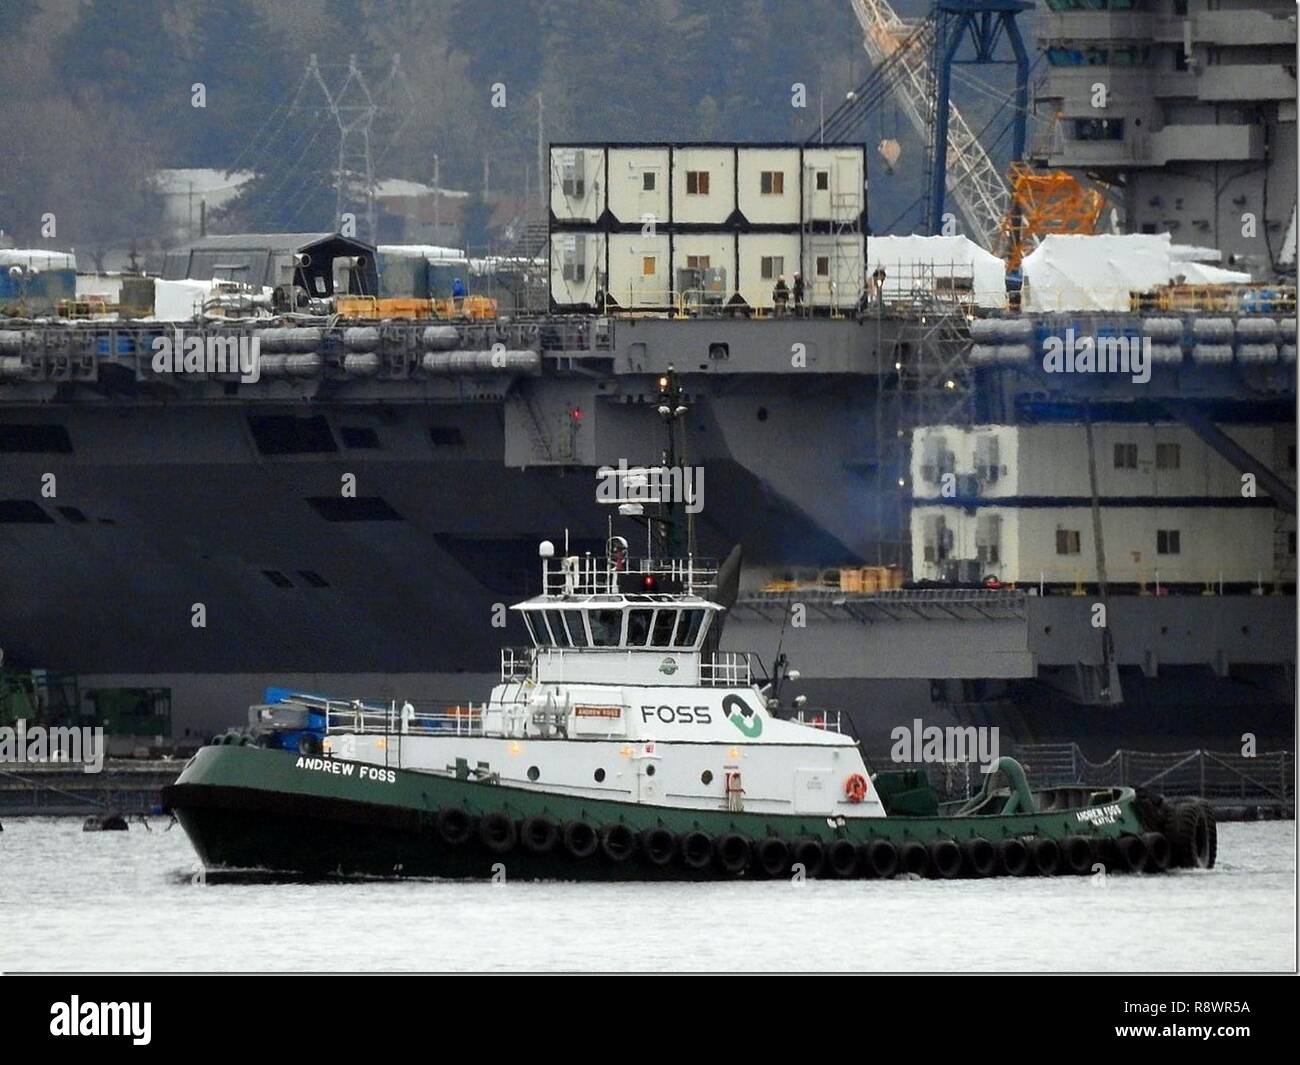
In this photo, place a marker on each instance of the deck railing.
(598, 575)
(460, 719)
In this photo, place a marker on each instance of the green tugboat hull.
(253, 811)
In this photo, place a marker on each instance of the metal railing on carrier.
(596, 575)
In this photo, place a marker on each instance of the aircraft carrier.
(351, 522)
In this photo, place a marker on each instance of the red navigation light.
(649, 583)
(576, 414)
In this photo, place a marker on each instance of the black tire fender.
(580, 839)
(498, 833)
(454, 825)
(658, 845)
(879, 859)
(539, 835)
(617, 842)
(732, 853)
(945, 858)
(1076, 855)
(979, 857)
(842, 858)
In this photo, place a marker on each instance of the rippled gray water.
(127, 901)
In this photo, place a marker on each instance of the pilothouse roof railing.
(620, 575)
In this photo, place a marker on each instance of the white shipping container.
(768, 183)
(834, 188)
(577, 184)
(706, 252)
(704, 185)
(638, 185)
(639, 271)
(834, 270)
(577, 268)
(1046, 461)
(763, 258)
(1174, 545)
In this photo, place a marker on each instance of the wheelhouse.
(624, 622)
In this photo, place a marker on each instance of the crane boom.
(979, 191)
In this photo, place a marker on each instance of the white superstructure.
(621, 696)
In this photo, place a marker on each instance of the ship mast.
(675, 528)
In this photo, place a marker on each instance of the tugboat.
(623, 744)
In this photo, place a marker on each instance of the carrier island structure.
(894, 461)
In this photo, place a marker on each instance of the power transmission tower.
(354, 110)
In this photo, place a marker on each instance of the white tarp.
(1204, 274)
(179, 301)
(420, 251)
(1183, 253)
(1093, 273)
(917, 262)
(34, 259)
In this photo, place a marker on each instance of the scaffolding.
(923, 377)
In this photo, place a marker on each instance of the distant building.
(191, 195)
(414, 213)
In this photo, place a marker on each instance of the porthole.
(650, 770)
(706, 777)
(600, 776)
(533, 772)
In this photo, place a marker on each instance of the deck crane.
(917, 56)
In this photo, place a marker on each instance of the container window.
(1067, 541)
(1126, 456)
(823, 180)
(647, 265)
(648, 181)
(1168, 456)
(772, 183)
(697, 262)
(1168, 542)
(771, 266)
(823, 266)
(697, 182)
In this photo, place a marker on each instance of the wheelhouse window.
(532, 632)
(665, 622)
(606, 627)
(688, 630)
(577, 630)
(558, 630)
(638, 627)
